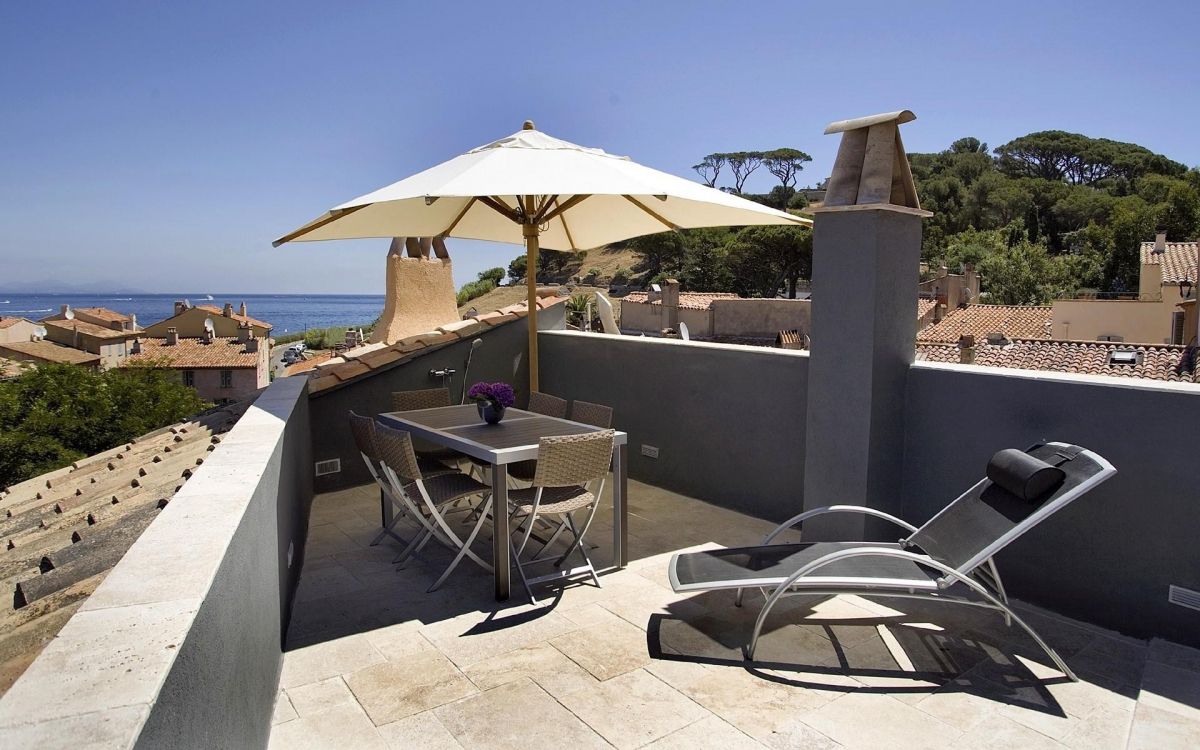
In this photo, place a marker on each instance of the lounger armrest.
(861, 509)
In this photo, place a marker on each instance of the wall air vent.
(332, 466)
(1184, 597)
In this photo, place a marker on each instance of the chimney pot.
(1160, 242)
(172, 336)
(966, 349)
(228, 311)
(245, 333)
(242, 310)
(939, 312)
(179, 306)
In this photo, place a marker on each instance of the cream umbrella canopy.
(545, 192)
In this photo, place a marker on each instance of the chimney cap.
(966, 341)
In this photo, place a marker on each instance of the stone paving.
(375, 662)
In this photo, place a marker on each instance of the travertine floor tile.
(342, 727)
(605, 650)
(1170, 689)
(327, 659)
(390, 691)
(470, 639)
(542, 663)
(320, 696)
(1002, 733)
(518, 716)
(633, 709)
(423, 730)
(873, 720)
(284, 711)
(709, 732)
(1155, 729)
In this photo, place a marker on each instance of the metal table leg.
(500, 532)
(620, 509)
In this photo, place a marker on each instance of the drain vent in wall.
(1184, 597)
(332, 466)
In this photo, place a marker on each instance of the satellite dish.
(39, 332)
(187, 304)
(208, 326)
(69, 314)
(683, 332)
(967, 294)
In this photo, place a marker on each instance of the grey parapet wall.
(180, 646)
(728, 421)
(1110, 556)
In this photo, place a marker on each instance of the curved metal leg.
(455, 542)
(466, 548)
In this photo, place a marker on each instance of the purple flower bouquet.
(492, 399)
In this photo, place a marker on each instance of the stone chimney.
(971, 281)
(420, 293)
(1160, 242)
(252, 344)
(242, 309)
(133, 326)
(228, 311)
(966, 349)
(172, 336)
(670, 302)
(180, 306)
(244, 333)
(137, 347)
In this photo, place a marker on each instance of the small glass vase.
(489, 412)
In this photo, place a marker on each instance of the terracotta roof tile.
(9, 322)
(1178, 260)
(380, 358)
(687, 300)
(63, 531)
(322, 382)
(1170, 363)
(495, 318)
(925, 307)
(103, 313)
(304, 365)
(462, 328)
(48, 351)
(348, 370)
(219, 312)
(84, 327)
(1014, 321)
(433, 338)
(223, 353)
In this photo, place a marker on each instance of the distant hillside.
(507, 295)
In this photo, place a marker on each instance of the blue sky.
(154, 144)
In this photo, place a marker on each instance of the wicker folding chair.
(539, 403)
(956, 546)
(391, 509)
(596, 415)
(428, 499)
(427, 398)
(570, 475)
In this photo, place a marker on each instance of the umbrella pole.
(531, 259)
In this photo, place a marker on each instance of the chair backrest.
(987, 518)
(363, 430)
(396, 452)
(551, 406)
(424, 398)
(607, 319)
(597, 415)
(569, 460)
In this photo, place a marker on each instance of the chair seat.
(437, 454)
(771, 565)
(555, 500)
(445, 488)
(431, 468)
(523, 470)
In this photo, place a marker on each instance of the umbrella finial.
(528, 125)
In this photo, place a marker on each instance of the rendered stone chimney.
(420, 293)
(133, 326)
(180, 306)
(939, 312)
(242, 309)
(1160, 242)
(670, 303)
(866, 263)
(966, 349)
(252, 344)
(244, 332)
(172, 336)
(136, 348)
(227, 311)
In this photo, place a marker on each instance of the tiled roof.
(687, 300)
(304, 365)
(924, 307)
(224, 353)
(1178, 261)
(239, 318)
(103, 313)
(1172, 363)
(1014, 321)
(9, 322)
(365, 360)
(84, 327)
(48, 351)
(61, 532)
(11, 368)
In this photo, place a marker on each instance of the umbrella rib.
(566, 230)
(499, 207)
(569, 203)
(332, 216)
(648, 210)
(458, 218)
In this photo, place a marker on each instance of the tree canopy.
(55, 414)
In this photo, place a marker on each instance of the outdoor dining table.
(513, 439)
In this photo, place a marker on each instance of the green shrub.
(621, 275)
(473, 289)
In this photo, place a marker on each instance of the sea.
(288, 313)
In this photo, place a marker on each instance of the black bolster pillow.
(1023, 475)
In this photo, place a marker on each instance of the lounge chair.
(957, 545)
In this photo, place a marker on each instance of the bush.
(494, 275)
(621, 275)
(473, 289)
(55, 414)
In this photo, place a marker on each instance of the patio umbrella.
(545, 192)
